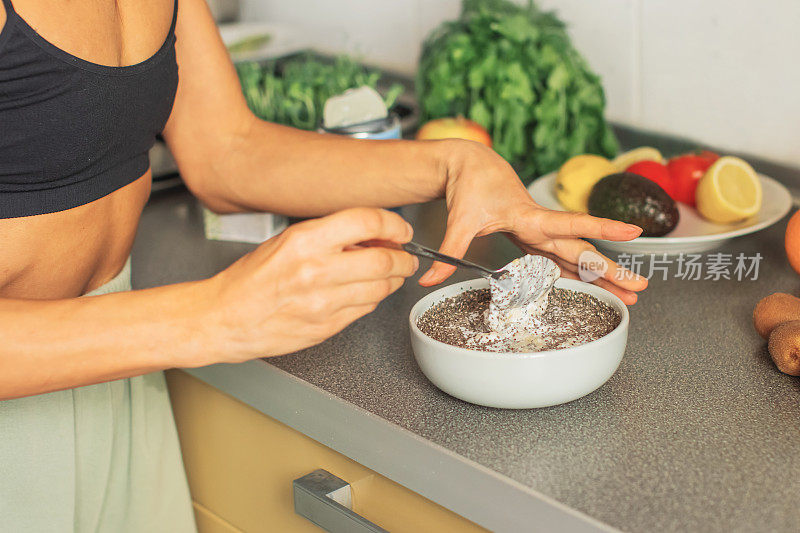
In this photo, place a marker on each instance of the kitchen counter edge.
(473, 491)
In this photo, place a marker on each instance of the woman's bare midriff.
(69, 253)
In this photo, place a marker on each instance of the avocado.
(636, 200)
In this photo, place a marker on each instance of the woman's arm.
(235, 162)
(59, 344)
(293, 291)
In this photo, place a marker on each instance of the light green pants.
(98, 458)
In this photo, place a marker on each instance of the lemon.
(643, 153)
(729, 191)
(576, 178)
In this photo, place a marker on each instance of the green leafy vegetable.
(296, 95)
(513, 70)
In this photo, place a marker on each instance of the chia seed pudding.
(538, 318)
(570, 318)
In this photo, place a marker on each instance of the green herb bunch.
(295, 94)
(513, 70)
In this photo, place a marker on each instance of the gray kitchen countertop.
(697, 430)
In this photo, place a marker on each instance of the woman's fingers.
(365, 292)
(564, 225)
(359, 299)
(603, 272)
(456, 241)
(323, 304)
(627, 297)
(347, 315)
(586, 257)
(352, 226)
(370, 264)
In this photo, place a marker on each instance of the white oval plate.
(693, 234)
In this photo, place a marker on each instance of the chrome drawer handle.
(327, 501)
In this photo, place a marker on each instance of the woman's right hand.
(307, 284)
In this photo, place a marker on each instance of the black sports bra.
(72, 131)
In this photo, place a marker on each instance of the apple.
(454, 128)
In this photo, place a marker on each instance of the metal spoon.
(423, 251)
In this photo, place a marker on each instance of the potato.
(784, 347)
(774, 310)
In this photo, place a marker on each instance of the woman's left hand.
(484, 195)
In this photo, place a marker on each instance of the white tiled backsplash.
(724, 72)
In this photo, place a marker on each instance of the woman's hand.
(484, 195)
(308, 283)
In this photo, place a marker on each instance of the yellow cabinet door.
(241, 463)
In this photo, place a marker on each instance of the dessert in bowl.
(567, 341)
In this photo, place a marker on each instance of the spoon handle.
(423, 251)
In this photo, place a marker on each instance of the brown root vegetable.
(773, 310)
(784, 347)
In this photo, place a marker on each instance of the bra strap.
(10, 8)
(174, 16)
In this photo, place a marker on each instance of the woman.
(87, 441)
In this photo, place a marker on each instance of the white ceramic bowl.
(519, 380)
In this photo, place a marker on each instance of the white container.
(242, 227)
(519, 380)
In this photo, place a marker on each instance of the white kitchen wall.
(724, 72)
